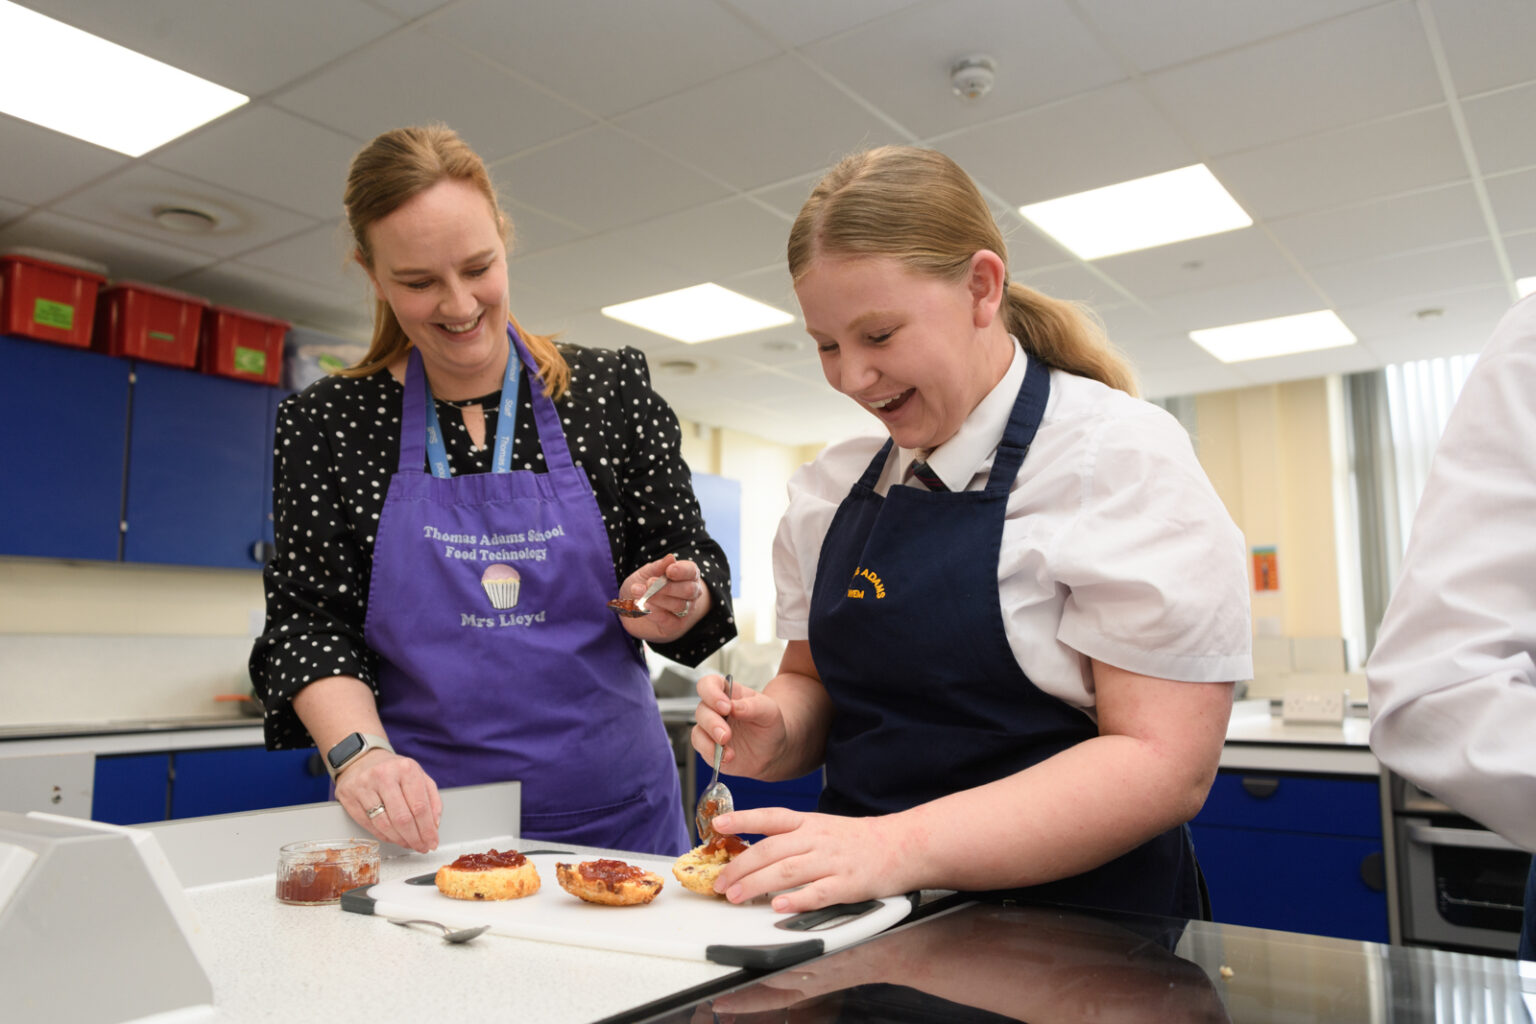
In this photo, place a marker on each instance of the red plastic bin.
(144, 322)
(46, 300)
(241, 344)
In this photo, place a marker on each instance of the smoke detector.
(972, 77)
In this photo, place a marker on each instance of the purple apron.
(500, 659)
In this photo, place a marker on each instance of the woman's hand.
(674, 608)
(830, 858)
(412, 807)
(751, 727)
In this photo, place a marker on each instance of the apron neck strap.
(421, 435)
(1023, 422)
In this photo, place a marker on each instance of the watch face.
(345, 750)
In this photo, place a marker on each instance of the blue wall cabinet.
(720, 502)
(63, 414)
(197, 478)
(1296, 853)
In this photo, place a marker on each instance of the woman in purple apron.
(437, 611)
(1012, 626)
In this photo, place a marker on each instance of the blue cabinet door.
(1318, 884)
(63, 412)
(244, 779)
(131, 789)
(198, 450)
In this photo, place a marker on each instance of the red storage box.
(46, 300)
(244, 345)
(144, 322)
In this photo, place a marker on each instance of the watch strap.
(369, 741)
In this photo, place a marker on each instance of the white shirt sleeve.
(1151, 562)
(1452, 682)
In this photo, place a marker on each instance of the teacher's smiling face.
(917, 352)
(441, 264)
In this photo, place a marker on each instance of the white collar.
(957, 460)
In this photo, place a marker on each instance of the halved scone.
(612, 883)
(699, 867)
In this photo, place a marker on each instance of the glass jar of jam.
(317, 871)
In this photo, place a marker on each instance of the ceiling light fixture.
(703, 312)
(1139, 214)
(70, 81)
(1280, 336)
(1525, 286)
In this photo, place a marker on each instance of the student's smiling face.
(916, 351)
(441, 264)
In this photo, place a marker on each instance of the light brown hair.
(918, 206)
(390, 171)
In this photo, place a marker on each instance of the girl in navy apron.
(946, 764)
(487, 606)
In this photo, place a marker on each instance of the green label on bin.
(250, 360)
(161, 336)
(53, 314)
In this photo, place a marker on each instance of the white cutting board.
(677, 923)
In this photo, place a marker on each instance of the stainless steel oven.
(1460, 886)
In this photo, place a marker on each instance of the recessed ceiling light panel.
(1139, 214)
(70, 81)
(1280, 336)
(1525, 286)
(701, 313)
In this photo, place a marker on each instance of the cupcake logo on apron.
(501, 583)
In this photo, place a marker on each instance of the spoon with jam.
(632, 608)
(715, 799)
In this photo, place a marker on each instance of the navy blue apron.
(1528, 926)
(906, 630)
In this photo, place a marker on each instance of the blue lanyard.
(501, 458)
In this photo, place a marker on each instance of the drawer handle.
(1261, 789)
(1463, 838)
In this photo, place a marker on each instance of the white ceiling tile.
(1522, 253)
(711, 242)
(42, 165)
(1393, 330)
(1077, 282)
(1367, 161)
(586, 275)
(771, 285)
(1101, 138)
(772, 349)
(247, 287)
(320, 258)
(1156, 35)
(127, 202)
(608, 57)
(415, 78)
(1414, 273)
(1501, 128)
(762, 125)
(797, 22)
(1238, 303)
(410, 9)
(1355, 68)
(270, 154)
(1042, 50)
(126, 256)
(1189, 380)
(573, 179)
(789, 196)
(533, 230)
(1487, 43)
(9, 211)
(1131, 324)
(1215, 261)
(1421, 220)
(1322, 363)
(249, 47)
(1510, 195)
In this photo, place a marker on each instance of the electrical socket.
(1314, 705)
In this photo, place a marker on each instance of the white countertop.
(269, 961)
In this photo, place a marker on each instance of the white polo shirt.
(1115, 546)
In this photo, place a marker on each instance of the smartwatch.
(351, 748)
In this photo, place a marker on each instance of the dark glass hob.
(986, 963)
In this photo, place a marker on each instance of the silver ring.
(376, 812)
(687, 610)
